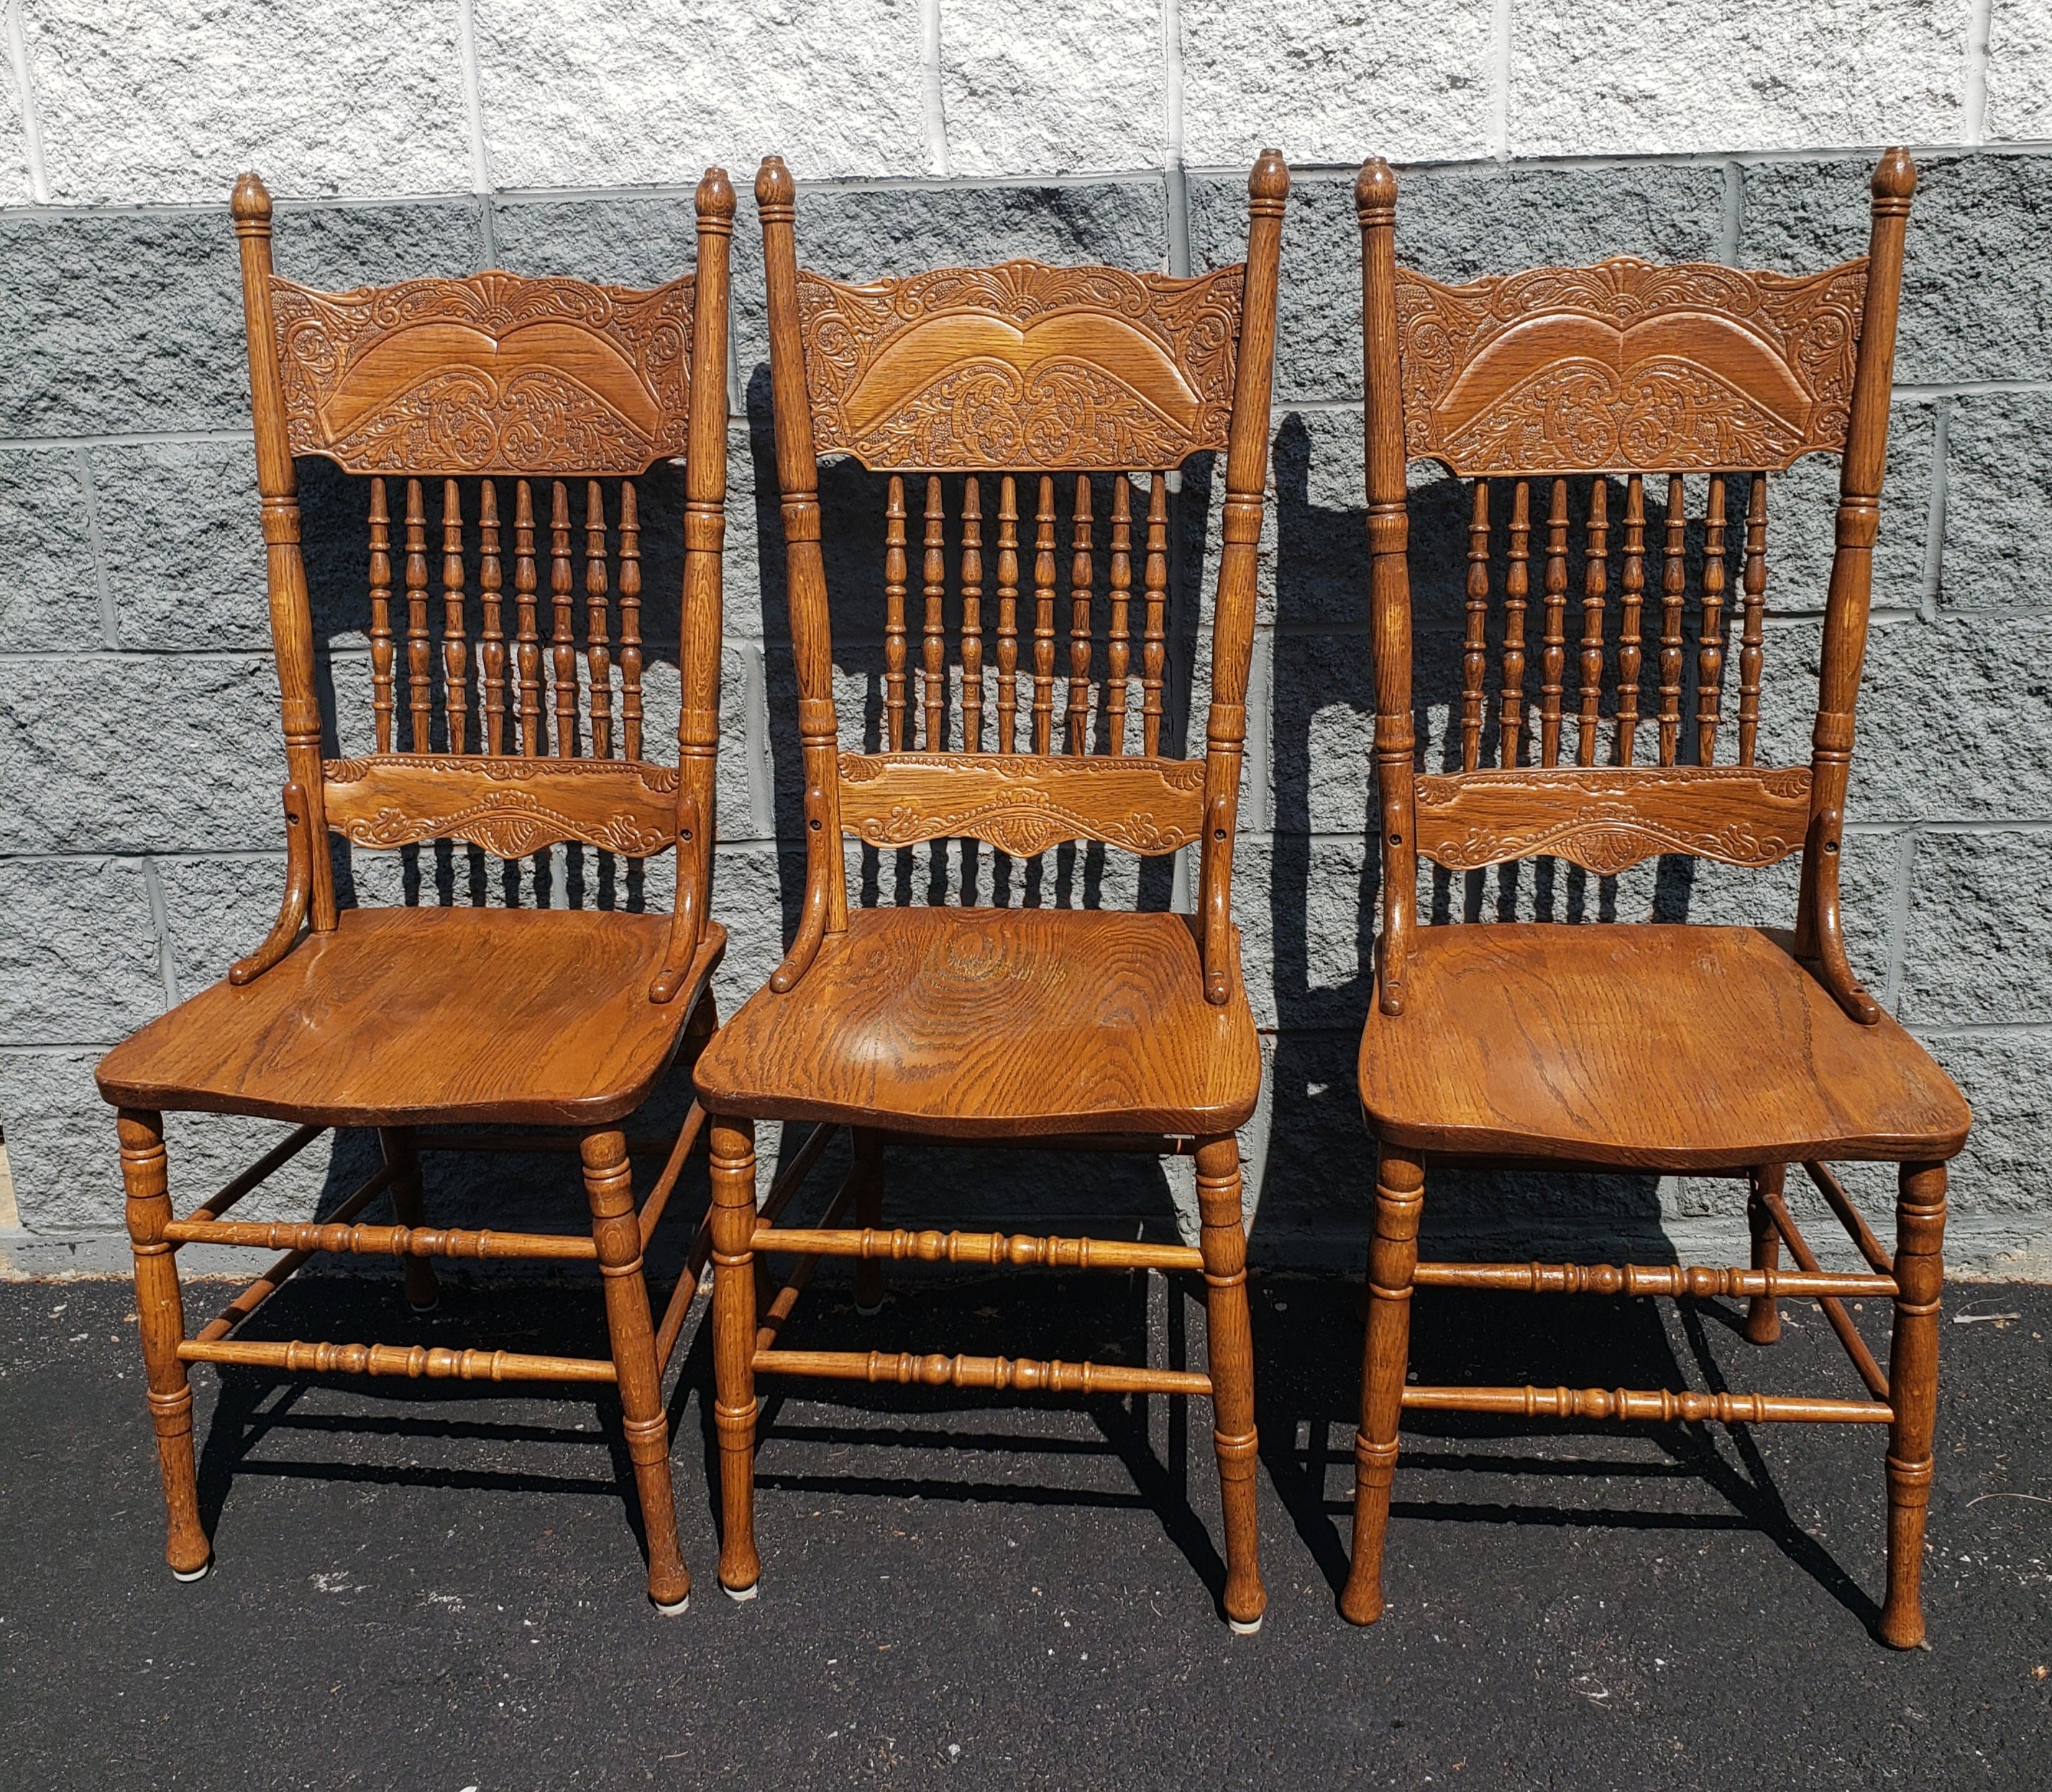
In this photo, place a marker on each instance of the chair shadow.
(258, 1407)
(1307, 1366)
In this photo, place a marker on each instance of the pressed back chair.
(1029, 1025)
(1691, 1049)
(529, 408)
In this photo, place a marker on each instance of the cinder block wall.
(140, 763)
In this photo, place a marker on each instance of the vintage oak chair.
(978, 1025)
(1691, 1049)
(498, 389)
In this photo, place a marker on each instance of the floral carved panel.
(510, 807)
(1628, 367)
(495, 374)
(1022, 366)
(1021, 804)
(1607, 820)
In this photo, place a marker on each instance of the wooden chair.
(983, 1026)
(1693, 1049)
(406, 1018)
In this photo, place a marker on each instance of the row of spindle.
(512, 697)
(1514, 741)
(1078, 702)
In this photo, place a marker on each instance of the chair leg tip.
(868, 1312)
(188, 1575)
(741, 1595)
(1244, 1626)
(676, 1610)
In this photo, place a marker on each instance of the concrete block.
(1053, 90)
(833, 86)
(1306, 909)
(15, 188)
(1977, 283)
(60, 1141)
(1327, 83)
(154, 102)
(339, 246)
(1589, 81)
(2004, 1073)
(180, 528)
(131, 753)
(626, 239)
(2019, 73)
(78, 955)
(1801, 505)
(51, 596)
(1453, 224)
(1980, 909)
(119, 322)
(218, 910)
(1998, 502)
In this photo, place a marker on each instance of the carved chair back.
(1009, 387)
(1619, 379)
(523, 409)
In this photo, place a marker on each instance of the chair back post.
(309, 868)
(1389, 576)
(1232, 632)
(705, 528)
(1861, 469)
(805, 583)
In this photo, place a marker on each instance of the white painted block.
(2019, 72)
(150, 100)
(625, 93)
(1335, 81)
(1702, 77)
(1052, 88)
(14, 189)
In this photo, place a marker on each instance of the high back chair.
(503, 406)
(975, 1024)
(1693, 1049)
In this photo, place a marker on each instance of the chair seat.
(1661, 1047)
(968, 1022)
(410, 1016)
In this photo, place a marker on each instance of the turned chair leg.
(868, 1212)
(616, 1228)
(734, 1348)
(161, 1312)
(1913, 1391)
(423, 1292)
(1763, 1316)
(1392, 1257)
(1230, 1349)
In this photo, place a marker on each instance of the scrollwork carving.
(1628, 365)
(1021, 805)
(510, 807)
(496, 374)
(1021, 364)
(1608, 821)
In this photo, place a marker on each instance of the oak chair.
(1668, 1048)
(1110, 1030)
(531, 396)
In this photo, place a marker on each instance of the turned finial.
(774, 186)
(1268, 185)
(1895, 176)
(249, 205)
(715, 198)
(1375, 191)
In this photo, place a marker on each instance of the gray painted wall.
(139, 760)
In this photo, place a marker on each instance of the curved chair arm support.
(1834, 969)
(1393, 948)
(684, 917)
(292, 905)
(1217, 936)
(813, 922)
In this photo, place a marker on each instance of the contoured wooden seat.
(534, 405)
(1020, 1023)
(1691, 1049)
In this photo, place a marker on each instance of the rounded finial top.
(1270, 179)
(715, 195)
(1375, 186)
(774, 185)
(1895, 175)
(250, 203)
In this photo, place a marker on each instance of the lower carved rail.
(1020, 1250)
(1022, 1374)
(382, 1241)
(1657, 1278)
(415, 1360)
(1662, 1404)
